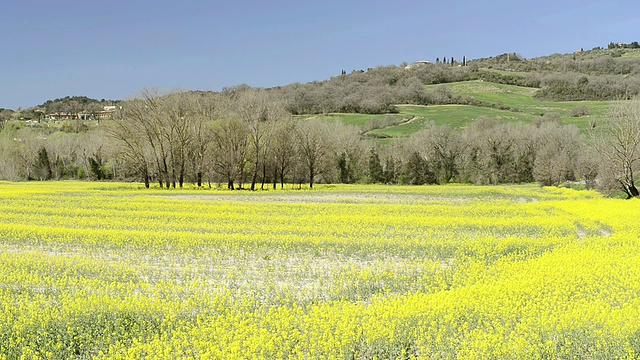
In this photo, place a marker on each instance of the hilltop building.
(105, 113)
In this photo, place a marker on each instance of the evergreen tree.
(389, 173)
(42, 168)
(345, 170)
(417, 171)
(95, 165)
(375, 167)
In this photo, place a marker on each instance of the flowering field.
(112, 271)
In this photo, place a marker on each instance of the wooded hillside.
(487, 121)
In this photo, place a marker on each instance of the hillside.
(506, 87)
(508, 103)
(499, 120)
(575, 88)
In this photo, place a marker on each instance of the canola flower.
(113, 271)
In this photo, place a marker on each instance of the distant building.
(63, 116)
(106, 113)
(416, 64)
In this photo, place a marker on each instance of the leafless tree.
(135, 128)
(208, 108)
(314, 145)
(617, 140)
(230, 150)
(158, 133)
(24, 151)
(64, 150)
(558, 149)
(260, 112)
(349, 150)
(440, 145)
(283, 150)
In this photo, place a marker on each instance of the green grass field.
(520, 101)
(359, 120)
(511, 73)
(523, 108)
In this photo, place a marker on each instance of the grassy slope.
(358, 120)
(524, 108)
(521, 98)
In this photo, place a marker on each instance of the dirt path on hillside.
(409, 120)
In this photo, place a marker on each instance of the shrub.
(579, 111)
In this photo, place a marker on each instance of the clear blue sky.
(112, 49)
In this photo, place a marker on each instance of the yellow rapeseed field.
(115, 271)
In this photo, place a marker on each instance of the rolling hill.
(503, 102)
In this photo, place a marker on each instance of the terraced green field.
(521, 99)
(359, 120)
(507, 103)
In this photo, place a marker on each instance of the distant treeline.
(245, 138)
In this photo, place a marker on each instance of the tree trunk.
(264, 174)
(311, 176)
(254, 177)
(275, 177)
(199, 176)
(182, 171)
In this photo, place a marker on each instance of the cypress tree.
(375, 167)
(43, 165)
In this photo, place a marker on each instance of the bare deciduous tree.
(283, 149)
(440, 145)
(260, 112)
(617, 139)
(208, 108)
(135, 129)
(230, 149)
(558, 148)
(314, 145)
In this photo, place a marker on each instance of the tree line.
(243, 138)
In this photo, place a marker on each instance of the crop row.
(112, 271)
